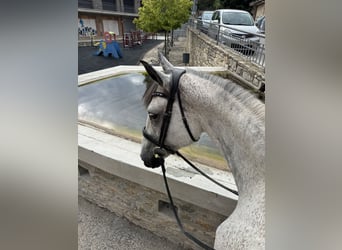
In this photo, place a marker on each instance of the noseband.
(175, 77)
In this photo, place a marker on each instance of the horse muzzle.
(154, 162)
(157, 158)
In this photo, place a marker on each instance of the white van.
(234, 28)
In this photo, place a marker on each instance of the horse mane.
(243, 95)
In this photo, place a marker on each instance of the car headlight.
(227, 32)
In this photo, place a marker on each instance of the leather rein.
(160, 150)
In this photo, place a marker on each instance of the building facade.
(95, 17)
(258, 8)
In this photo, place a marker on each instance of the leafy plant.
(163, 15)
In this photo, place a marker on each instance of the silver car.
(260, 23)
(234, 28)
(203, 20)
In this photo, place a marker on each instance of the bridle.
(176, 75)
(159, 151)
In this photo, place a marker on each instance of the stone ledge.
(110, 72)
(121, 158)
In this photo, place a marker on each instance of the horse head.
(165, 131)
(230, 115)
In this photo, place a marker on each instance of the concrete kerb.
(120, 157)
(110, 72)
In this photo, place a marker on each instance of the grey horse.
(234, 118)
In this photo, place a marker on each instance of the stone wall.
(147, 208)
(205, 52)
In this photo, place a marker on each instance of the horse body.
(234, 118)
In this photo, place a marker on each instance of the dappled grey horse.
(231, 116)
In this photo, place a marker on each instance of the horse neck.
(239, 131)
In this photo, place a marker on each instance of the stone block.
(239, 70)
(144, 207)
(246, 75)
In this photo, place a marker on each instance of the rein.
(158, 152)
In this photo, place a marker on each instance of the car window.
(207, 16)
(215, 15)
(235, 18)
(262, 25)
(259, 21)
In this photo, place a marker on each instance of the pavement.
(101, 229)
(98, 228)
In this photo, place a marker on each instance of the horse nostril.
(154, 162)
(159, 152)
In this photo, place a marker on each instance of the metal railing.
(180, 32)
(107, 5)
(249, 45)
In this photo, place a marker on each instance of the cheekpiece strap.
(176, 75)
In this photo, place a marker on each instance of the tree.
(163, 15)
(217, 4)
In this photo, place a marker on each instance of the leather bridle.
(175, 76)
(159, 151)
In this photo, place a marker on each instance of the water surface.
(116, 104)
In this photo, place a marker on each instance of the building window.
(109, 5)
(87, 4)
(129, 6)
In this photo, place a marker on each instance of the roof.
(232, 10)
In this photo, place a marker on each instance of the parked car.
(258, 20)
(204, 20)
(261, 25)
(234, 28)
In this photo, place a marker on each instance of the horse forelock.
(243, 95)
(151, 87)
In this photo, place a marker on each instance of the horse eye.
(153, 116)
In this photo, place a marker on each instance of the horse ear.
(161, 78)
(167, 66)
(152, 72)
